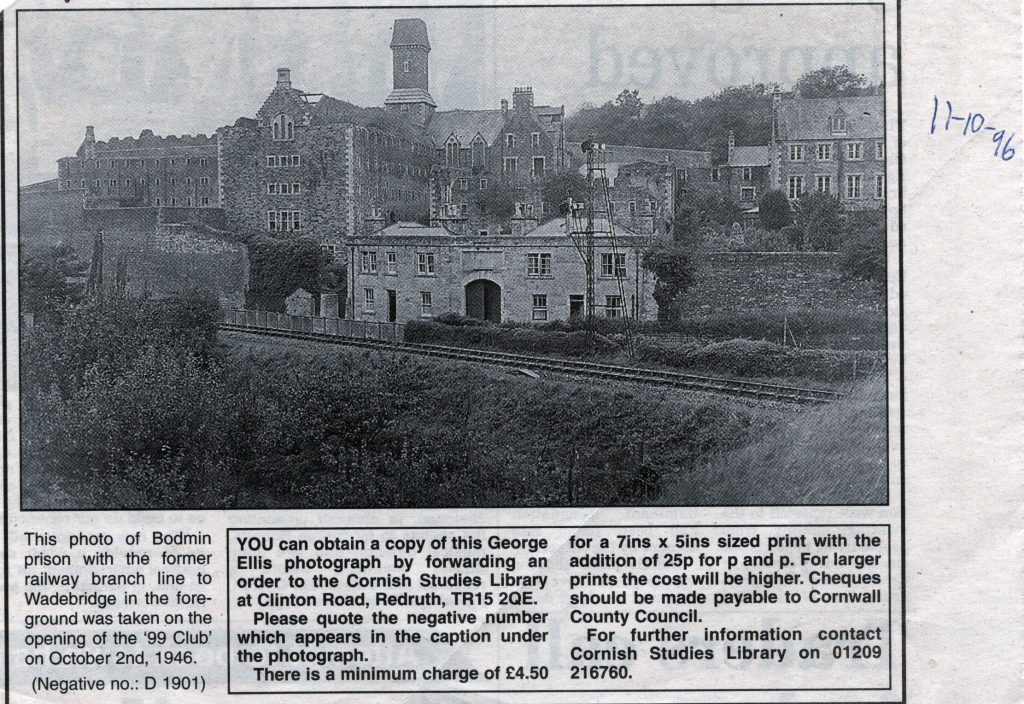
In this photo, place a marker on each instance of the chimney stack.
(284, 78)
(732, 143)
(522, 98)
(504, 106)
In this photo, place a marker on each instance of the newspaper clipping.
(481, 354)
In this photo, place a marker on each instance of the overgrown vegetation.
(761, 359)
(465, 332)
(279, 267)
(669, 261)
(832, 454)
(133, 404)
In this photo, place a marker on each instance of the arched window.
(283, 128)
(478, 151)
(451, 154)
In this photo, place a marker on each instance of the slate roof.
(409, 95)
(410, 32)
(466, 124)
(751, 156)
(808, 118)
(331, 111)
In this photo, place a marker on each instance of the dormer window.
(283, 128)
(839, 123)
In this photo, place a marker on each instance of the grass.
(834, 454)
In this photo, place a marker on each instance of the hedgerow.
(511, 338)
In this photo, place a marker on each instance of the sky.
(189, 72)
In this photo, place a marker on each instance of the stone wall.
(728, 282)
(50, 218)
(148, 257)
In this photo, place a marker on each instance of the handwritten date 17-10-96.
(973, 123)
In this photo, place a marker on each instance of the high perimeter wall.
(728, 282)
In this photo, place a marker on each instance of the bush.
(774, 210)
(761, 359)
(863, 255)
(511, 339)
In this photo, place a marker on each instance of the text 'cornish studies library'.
(547, 609)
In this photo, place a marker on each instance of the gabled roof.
(331, 111)
(808, 118)
(410, 32)
(751, 156)
(466, 125)
(628, 154)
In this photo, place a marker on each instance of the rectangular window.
(296, 160)
(127, 183)
(511, 164)
(174, 202)
(823, 184)
(204, 201)
(853, 186)
(271, 189)
(854, 151)
(112, 183)
(202, 162)
(463, 184)
(391, 262)
(369, 263)
(425, 263)
(156, 201)
(879, 186)
(535, 140)
(96, 183)
(824, 151)
(426, 304)
(796, 152)
(284, 220)
(880, 150)
(613, 265)
(796, 186)
(295, 188)
(271, 161)
(716, 175)
(483, 184)
(748, 173)
(538, 167)
(538, 264)
(188, 201)
(510, 141)
(156, 181)
(632, 207)
(188, 161)
(540, 306)
(747, 194)
(613, 306)
(204, 180)
(368, 300)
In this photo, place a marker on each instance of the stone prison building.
(400, 192)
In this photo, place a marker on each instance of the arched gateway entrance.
(483, 300)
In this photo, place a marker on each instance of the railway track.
(653, 377)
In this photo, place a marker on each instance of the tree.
(498, 200)
(700, 208)
(46, 279)
(558, 186)
(832, 82)
(820, 218)
(673, 274)
(279, 267)
(774, 210)
(863, 253)
(628, 101)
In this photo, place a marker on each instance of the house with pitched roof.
(830, 145)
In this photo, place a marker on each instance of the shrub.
(761, 359)
(820, 217)
(774, 210)
(863, 255)
(511, 339)
(673, 275)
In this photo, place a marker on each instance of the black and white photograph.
(472, 257)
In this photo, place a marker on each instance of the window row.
(284, 189)
(284, 220)
(188, 202)
(372, 137)
(275, 161)
(510, 165)
(823, 184)
(141, 163)
(392, 168)
(143, 182)
(425, 263)
(853, 151)
(426, 303)
(613, 306)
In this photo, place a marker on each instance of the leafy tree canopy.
(46, 280)
(833, 81)
(673, 273)
(863, 252)
(557, 187)
(774, 210)
(498, 200)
